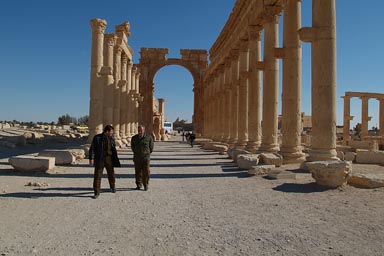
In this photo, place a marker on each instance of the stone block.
(281, 175)
(332, 174)
(260, 170)
(369, 156)
(340, 155)
(237, 152)
(246, 161)
(350, 156)
(79, 154)
(366, 180)
(62, 157)
(365, 144)
(271, 158)
(32, 163)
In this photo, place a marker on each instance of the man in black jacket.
(142, 147)
(103, 153)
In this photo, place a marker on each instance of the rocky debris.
(260, 170)
(79, 154)
(350, 156)
(26, 163)
(366, 180)
(281, 174)
(247, 161)
(62, 157)
(37, 184)
(235, 152)
(271, 158)
(332, 174)
(369, 156)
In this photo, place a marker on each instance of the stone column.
(291, 149)
(96, 90)
(364, 117)
(107, 72)
(270, 87)
(137, 87)
(228, 101)
(210, 107)
(235, 97)
(254, 90)
(123, 100)
(322, 35)
(381, 116)
(347, 118)
(221, 103)
(161, 111)
(243, 96)
(116, 96)
(215, 107)
(133, 102)
(128, 131)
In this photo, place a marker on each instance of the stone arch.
(151, 61)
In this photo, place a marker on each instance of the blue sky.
(45, 51)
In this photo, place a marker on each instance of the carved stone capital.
(124, 28)
(271, 13)
(98, 25)
(255, 32)
(234, 54)
(110, 40)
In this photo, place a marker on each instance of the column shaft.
(116, 96)
(235, 97)
(107, 72)
(364, 117)
(347, 118)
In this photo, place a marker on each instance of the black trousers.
(99, 173)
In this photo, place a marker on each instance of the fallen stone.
(230, 152)
(271, 158)
(62, 157)
(37, 184)
(332, 174)
(86, 149)
(79, 154)
(340, 155)
(26, 163)
(281, 175)
(246, 161)
(350, 156)
(369, 156)
(260, 170)
(366, 181)
(365, 144)
(237, 152)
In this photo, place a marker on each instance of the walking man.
(142, 147)
(103, 153)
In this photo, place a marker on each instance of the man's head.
(108, 130)
(141, 130)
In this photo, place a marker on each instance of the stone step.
(26, 163)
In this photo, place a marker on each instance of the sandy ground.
(199, 203)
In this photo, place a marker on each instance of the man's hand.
(91, 162)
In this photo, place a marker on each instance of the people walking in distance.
(103, 153)
(142, 147)
(192, 138)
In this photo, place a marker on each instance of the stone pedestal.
(330, 174)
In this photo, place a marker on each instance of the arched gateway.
(151, 61)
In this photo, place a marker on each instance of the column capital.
(364, 98)
(110, 39)
(244, 45)
(118, 51)
(98, 25)
(255, 32)
(123, 28)
(234, 54)
(124, 59)
(228, 62)
(346, 97)
(221, 68)
(130, 64)
(271, 13)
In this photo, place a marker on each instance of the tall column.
(123, 99)
(137, 87)
(161, 111)
(116, 96)
(322, 35)
(210, 108)
(215, 107)
(381, 116)
(221, 103)
(254, 90)
(133, 102)
(364, 117)
(96, 90)
(128, 131)
(107, 72)
(291, 149)
(243, 96)
(347, 118)
(235, 96)
(270, 87)
(228, 101)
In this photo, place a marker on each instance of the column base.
(292, 155)
(270, 148)
(241, 144)
(322, 155)
(252, 146)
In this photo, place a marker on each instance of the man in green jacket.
(142, 147)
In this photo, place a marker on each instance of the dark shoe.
(96, 196)
(146, 188)
(113, 190)
(137, 188)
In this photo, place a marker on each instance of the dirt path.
(199, 203)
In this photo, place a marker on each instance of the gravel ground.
(198, 203)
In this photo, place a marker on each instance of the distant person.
(103, 153)
(192, 138)
(187, 136)
(142, 147)
(183, 135)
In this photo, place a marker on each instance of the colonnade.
(241, 109)
(114, 83)
(365, 118)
